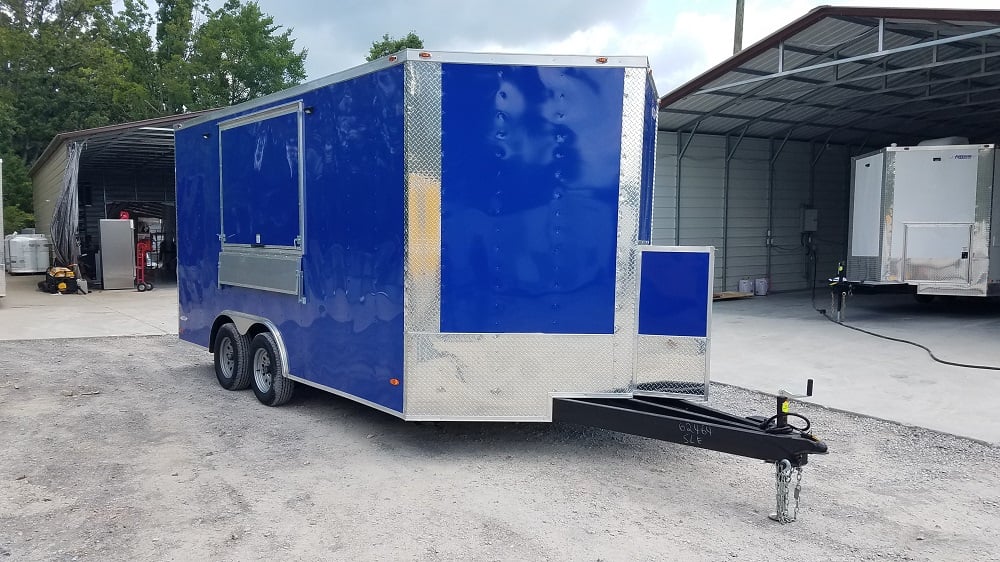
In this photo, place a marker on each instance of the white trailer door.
(937, 252)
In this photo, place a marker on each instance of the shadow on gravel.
(458, 438)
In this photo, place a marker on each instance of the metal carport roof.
(143, 145)
(846, 75)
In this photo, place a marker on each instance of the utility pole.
(738, 37)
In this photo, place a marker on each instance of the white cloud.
(681, 39)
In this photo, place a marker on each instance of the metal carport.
(128, 166)
(746, 146)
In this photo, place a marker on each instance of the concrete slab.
(779, 341)
(27, 313)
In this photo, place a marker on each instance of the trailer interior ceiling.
(756, 147)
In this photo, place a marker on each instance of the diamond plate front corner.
(503, 376)
(629, 194)
(672, 365)
(422, 221)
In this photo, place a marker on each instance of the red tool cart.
(142, 249)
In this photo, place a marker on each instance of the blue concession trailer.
(454, 236)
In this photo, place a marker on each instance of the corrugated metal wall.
(734, 207)
(100, 188)
(46, 186)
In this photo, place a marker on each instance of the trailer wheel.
(141, 287)
(232, 354)
(267, 364)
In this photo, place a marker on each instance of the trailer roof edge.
(431, 57)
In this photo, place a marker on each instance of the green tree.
(174, 37)
(67, 65)
(17, 195)
(58, 71)
(387, 45)
(14, 220)
(240, 54)
(130, 38)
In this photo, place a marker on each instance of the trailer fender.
(251, 325)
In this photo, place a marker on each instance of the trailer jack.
(772, 439)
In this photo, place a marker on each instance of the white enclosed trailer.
(924, 220)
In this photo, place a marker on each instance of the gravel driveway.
(127, 449)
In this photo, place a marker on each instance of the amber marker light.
(602, 60)
(394, 382)
(425, 55)
(392, 58)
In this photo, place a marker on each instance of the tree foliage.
(388, 45)
(75, 64)
(240, 54)
(17, 196)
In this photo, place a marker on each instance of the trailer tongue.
(671, 419)
(457, 237)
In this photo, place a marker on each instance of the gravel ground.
(127, 449)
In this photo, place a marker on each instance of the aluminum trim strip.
(629, 204)
(243, 323)
(295, 107)
(512, 419)
(937, 147)
(294, 91)
(421, 213)
(515, 59)
(413, 55)
(269, 113)
(888, 268)
(979, 251)
(689, 397)
(347, 395)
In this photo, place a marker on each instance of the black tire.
(266, 367)
(149, 286)
(232, 358)
(141, 287)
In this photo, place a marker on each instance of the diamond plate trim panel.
(503, 376)
(936, 270)
(891, 261)
(979, 266)
(629, 190)
(422, 216)
(671, 364)
(864, 268)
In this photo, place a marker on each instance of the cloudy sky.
(681, 38)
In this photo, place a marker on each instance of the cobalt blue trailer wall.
(443, 235)
(529, 200)
(345, 328)
(538, 168)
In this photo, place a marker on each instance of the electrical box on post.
(810, 219)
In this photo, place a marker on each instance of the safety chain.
(783, 479)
